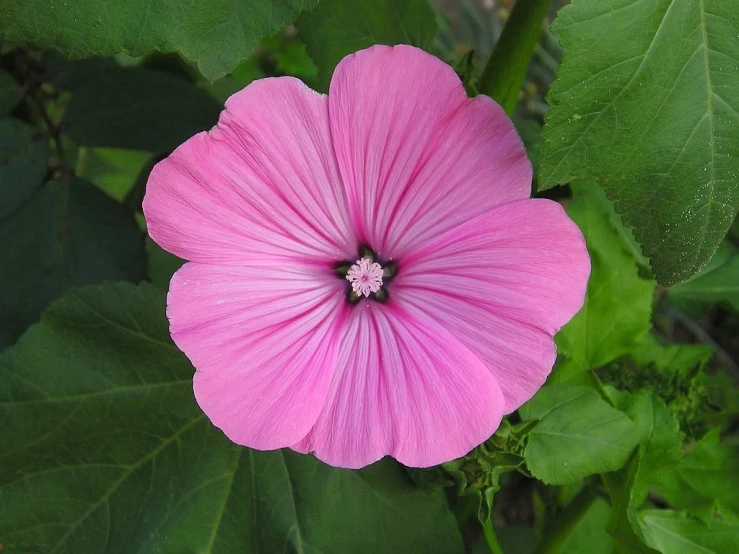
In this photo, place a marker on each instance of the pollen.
(365, 277)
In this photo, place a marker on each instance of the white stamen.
(365, 277)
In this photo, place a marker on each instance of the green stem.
(558, 531)
(490, 537)
(505, 71)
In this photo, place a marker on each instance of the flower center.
(365, 277)
(368, 276)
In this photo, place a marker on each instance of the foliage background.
(629, 111)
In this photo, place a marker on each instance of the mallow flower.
(366, 275)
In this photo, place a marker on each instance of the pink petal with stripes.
(404, 387)
(503, 284)
(264, 181)
(264, 341)
(417, 156)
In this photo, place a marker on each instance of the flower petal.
(417, 156)
(264, 180)
(503, 284)
(264, 341)
(403, 387)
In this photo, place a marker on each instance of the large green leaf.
(589, 534)
(513, 538)
(618, 303)
(660, 442)
(675, 533)
(112, 170)
(216, 35)
(679, 359)
(624, 526)
(646, 103)
(578, 434)
(162, 265)
(339, 27)
(660, 438)
(290, 56)
(106, 452)
(709, 472)
(70, 75)
(24, 153)
(718, 282)
(66, 235)
(139, 109)
(579, 526)
(674, 374)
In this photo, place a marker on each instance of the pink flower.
(367, 275)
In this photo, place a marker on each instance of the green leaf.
(578, 434)
(138, 109)
(660, 442)
(215, 35)
(589, 535)
(646, 102)
(530, 133)
(110, 454)
(478, 474)
(673, 358)
(10, 93)
(162, 265)
(570, 528)
(709, 472)
(464, 67)
(624, 526)
(337, 28)
(249, 70)
(676, 533)
(718, 282)
(70, 75)
(112, 170)
(515, 539)
(290, 56)
(135, 197)
(675, 374)
(660, 438)
(66, 235)
(618, 303)
(24, 154)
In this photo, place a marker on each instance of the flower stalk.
(506, 68)
(562, 527)
(490, 538)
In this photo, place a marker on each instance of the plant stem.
(559, 530)
(505, 71)
(490, 537)
(32, 85)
